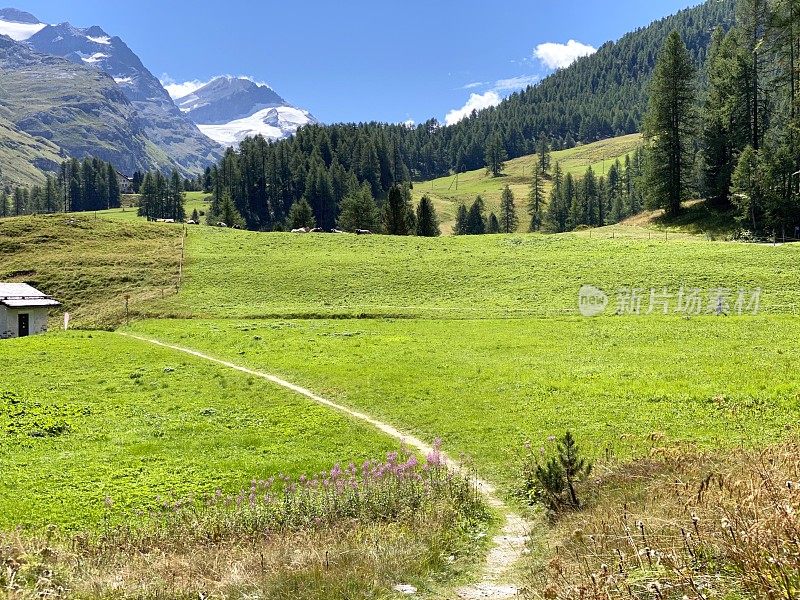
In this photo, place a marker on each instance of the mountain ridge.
(228, 109)
(163, 124)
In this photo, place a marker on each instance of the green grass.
(96, 415)
(128, 212)
(243, 274)
(90, 264)
(518, 172)
(486, 386)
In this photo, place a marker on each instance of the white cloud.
(560, 56)
(514, 83)
(410, 123)
(180, 89)
(476, 102)
(473, 85)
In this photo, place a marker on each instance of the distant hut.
(125, 183)
(24, 310)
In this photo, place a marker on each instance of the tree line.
(733, 140)
(78, 186)
(161, 197)
(592, 200)
(597, 97)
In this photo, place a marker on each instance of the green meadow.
(95, 427)
(234, 274)
(622, 384)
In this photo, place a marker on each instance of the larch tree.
(495, 156)
(427, 219)
(670, 126)
(536, 201)
(509, 221)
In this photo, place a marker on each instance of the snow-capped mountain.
(165, 126)
(19, 25)
(229, 109)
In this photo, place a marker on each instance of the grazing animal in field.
(363, 232)
(236, 227)
(334, 230)
(168, 221)
(221, 224)
(301, 230)
(191, 222)
(318, 230)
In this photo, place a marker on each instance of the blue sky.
(360, 60)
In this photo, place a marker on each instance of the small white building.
(23, 310)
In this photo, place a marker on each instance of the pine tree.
(359, 211)
(396, 213)
(4, 212)
(509, 221)
(476, 222)
(543, 154)
(301, 215)
(670, 126)
(427, 220)
(536, 201)
(495, 156)
(195, 216)
(493, 225)
(460, 227)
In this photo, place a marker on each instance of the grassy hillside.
(90, 264)
(23, 157)
(449, 192)
(243, 274)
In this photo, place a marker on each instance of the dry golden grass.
(681, 525)
(351, 561)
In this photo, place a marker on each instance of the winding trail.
(506, 548)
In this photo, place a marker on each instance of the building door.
(24, 329)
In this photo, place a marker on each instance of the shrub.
(553, 480)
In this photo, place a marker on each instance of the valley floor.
(477, 341)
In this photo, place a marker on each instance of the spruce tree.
(495, 156)
(427, 220)
(476, 221)
(493, 225)
(395, 214)
(359, 211)
(509, 221)
(301, 215)
(536, 201)
(670, 127)
(114, 196)
(460, 227)
(176, 205)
